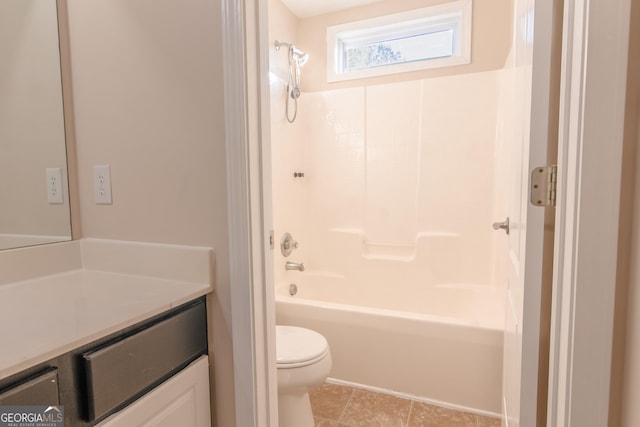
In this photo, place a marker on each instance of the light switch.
(54, 186)
(102, 185)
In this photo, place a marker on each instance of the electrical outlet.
(54, 186)
(102, 185)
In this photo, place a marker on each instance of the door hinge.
(271, 240)
(544, 181)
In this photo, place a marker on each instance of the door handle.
(504, 225)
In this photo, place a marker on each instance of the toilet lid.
(295, 345)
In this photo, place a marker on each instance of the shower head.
(300, 56)
(296, 54)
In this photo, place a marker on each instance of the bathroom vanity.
(116, 342)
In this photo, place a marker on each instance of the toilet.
(304, 362)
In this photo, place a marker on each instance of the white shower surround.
(391, 163)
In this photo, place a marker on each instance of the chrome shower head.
(296, 54)
(300, 56)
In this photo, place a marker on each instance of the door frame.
(593, 96)
(595, 39)
(247, 143)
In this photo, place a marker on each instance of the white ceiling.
(307, 8)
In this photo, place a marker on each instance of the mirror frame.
(69, 118)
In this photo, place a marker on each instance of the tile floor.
(339, 406)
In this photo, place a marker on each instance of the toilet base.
(294, 410)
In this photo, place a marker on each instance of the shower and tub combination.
(391, 201)
(436, 339)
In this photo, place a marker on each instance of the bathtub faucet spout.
(294, 266)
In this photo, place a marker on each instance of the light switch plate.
(102, 184)
(54, 186)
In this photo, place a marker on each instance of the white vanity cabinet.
(117, 335)
(181, 401)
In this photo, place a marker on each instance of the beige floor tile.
(322, 422)
(367, 409)
(329, 400)
(488, 422)
(425, 415)
(340, 406)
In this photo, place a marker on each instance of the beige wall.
(625, 393)
(627, 412)
(148, 98)
(491, 41)
(625, 369)
(31, 121)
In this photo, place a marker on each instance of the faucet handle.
(287, 244)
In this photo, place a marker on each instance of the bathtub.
(440, 343)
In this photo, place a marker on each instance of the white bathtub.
(440, 343)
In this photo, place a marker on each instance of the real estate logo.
(31, 416)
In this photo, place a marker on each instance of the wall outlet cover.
(54, 186)
(102, 184)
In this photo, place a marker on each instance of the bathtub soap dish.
(293, 289)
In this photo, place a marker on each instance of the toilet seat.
(296, 347)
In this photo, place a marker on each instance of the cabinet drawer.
(182, 401)
(41, 390)
(121, 371)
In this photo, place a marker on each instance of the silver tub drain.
(293, 289)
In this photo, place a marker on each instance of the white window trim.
(460, 58)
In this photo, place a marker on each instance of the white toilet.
(304, 362)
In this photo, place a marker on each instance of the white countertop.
(44, 317)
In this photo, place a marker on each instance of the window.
(430, 37)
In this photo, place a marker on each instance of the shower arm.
(278, 44)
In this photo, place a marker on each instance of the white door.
(531, 85)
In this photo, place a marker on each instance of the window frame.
(456, 15)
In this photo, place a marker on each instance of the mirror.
(34, 190)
